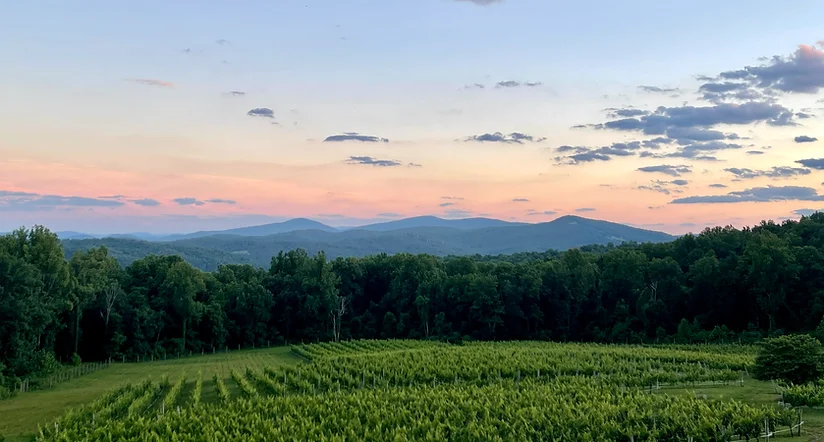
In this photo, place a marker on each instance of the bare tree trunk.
(77, 315)
(337, 316)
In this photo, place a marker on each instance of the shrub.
(797, 359)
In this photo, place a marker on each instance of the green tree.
(769, 268)
(792, 358)
(182, 284)
(93, 271)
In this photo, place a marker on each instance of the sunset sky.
(178, 116)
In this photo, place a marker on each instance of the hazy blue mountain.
(262, 230)
(74, 235)
(207, 252)
(434, 221)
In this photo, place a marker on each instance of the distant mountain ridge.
(207, 250)
(434, 221)
(291, 225)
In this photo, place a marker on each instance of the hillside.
(262, 230)
(434, 221)
(127, 251)
(207, 252)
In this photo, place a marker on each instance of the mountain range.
(257, 244)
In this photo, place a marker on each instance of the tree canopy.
(797, 359)
(723, 285)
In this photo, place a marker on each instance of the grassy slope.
(19, 416)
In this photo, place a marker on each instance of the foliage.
(796, 359)
(417, 390)
(722, 286)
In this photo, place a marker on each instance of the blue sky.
(136, 100)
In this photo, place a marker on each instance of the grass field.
(758, 393)
(20, 416)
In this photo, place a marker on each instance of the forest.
(723, 285)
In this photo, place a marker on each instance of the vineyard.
(415, 390)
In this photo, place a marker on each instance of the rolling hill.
(266, 229)
(434, 221)
(207, 252)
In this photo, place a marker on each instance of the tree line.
(724, 284)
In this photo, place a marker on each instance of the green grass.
(20, 416)
(759, 393)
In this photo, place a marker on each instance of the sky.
(168, 117)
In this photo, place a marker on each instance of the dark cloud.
(27, 201)
(354, 136)
(583, 154)
(625, 112)
(264, 112)
(508, 83)
(151, 82)
(803, 115)
(520, 200)
(659, 90)
(389, 215)
(755, 152)
(775, 172)
(455, 198)
(689, 135)
(801, 72)
(805, 139)
(413, 165)
(718, 186)
(812, 163)
(587, 157)
(665, 118)
(446, 204)
(806, 212)
(221, 201)
(667, 169)
(726, 86)
(372, 161)
(656, 143)
(222, 41)
(497, 137)
(655, 188)
(546, 212)
(146, 202)
(236, 93)
(720, 92)
(475, 86)
(112, 197)
(188, 201)
(664, 187)
(514, 84)
(757, 194)
(585, 209)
